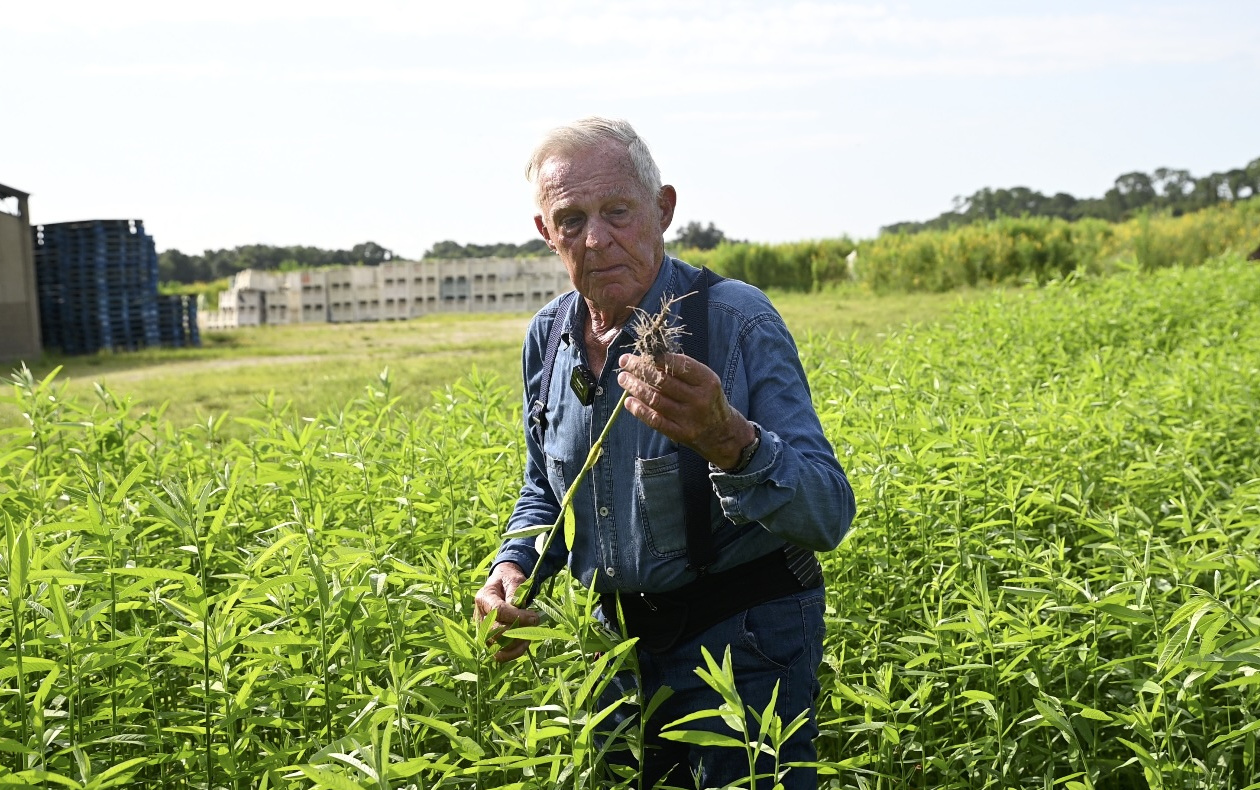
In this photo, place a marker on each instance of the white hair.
(590, 132)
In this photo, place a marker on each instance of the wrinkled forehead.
(602, 170)
(556, 171)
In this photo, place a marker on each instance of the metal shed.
(19, 305)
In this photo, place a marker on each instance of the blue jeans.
(777, 641)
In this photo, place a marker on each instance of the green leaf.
(282, 639)
(1056, 718)
(1093, 713)
(535, 632)
(528, 532)
(11, 746)
(601, 673)
(328, 779)
(29, 664)
(468, 748)
(270, 551)
(1142, 754)
(703, 738)
(658, 699)
(157, 574)
(1234, 734)
(1125, 613)
(570, 527)
(116, 774)
(446, 728)
(59, 577)
(42, 778)
(268, 585)
(121, 492)
(19, 540)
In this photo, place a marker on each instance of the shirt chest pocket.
(658, 494)
(555, 477)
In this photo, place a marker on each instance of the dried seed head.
(656, 335)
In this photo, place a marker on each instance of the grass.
(321, 366)
(1053, 581)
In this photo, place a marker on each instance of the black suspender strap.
(693, 469)
(538, 409)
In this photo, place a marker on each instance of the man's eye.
(571, 223)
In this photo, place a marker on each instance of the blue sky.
(332, 123)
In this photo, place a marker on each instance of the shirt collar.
(669, 280)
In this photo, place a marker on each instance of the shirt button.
(611, 570)
(603, 511)
(599, 390)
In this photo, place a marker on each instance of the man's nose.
(597, 234)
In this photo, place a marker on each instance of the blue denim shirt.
(630, 524)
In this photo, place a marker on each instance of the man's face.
(606, 227)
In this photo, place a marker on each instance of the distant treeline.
(804, 265)
(1006, 250)
(453, 249)
(177, 267)
(1174, 191)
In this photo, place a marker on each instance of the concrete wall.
(396, 290)
(19, 303)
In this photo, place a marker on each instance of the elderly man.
(699, 523)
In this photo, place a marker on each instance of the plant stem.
(523, 592)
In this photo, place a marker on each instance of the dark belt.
(663, 620)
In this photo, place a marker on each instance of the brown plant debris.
(657, 336)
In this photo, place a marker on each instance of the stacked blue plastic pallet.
(97, 284)
(177, 319)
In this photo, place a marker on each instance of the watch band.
(746, 454)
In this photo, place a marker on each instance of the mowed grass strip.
(1053, 580)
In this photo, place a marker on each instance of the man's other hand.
(496, 596)
(683, 399)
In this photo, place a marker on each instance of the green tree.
(453, 249)
(371, 253)
(1176, 191)
(693, 235)
(176, 266)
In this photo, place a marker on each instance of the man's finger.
(652, 418)
(510, 649)
(685, 368)
(487, 600)
(503, 628)
(509, 615)
(513, 650)
(667, 394)
(496, 596)
(678, 366)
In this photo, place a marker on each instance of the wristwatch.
(746, 454)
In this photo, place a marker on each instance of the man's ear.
(666, 200)
(542, 230)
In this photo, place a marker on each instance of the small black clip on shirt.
(583, 383)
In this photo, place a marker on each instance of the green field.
(1053, 581)
(319, 367)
